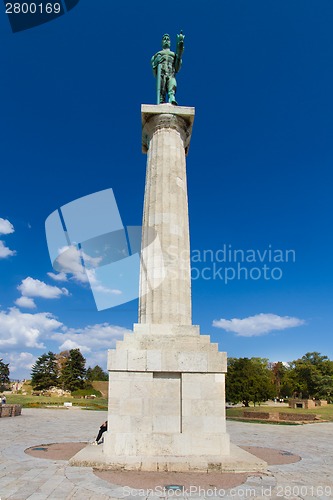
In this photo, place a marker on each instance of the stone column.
(165, 277)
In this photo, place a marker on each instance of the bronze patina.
(166, 64)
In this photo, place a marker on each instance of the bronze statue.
(165, 65)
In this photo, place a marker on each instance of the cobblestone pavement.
(23, 477)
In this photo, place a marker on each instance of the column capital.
(156, 117)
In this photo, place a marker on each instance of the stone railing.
(10, 410)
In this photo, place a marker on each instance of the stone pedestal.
(167, 399)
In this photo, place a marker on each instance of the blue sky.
(260, 76)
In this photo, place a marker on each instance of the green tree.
(73, 372)
(324, 387)
(323, 363)
(313, 375)
(287, 383)
(4, 374)
(278, 372)
(265, 389)
(44, 373)
(283, 380)
(96, 373)
(248, 380)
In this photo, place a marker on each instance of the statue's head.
(166, 41)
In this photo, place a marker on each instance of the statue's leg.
(172, 87)
(163, 89)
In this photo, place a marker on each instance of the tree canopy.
(74, 372)
(66, 370)
(4, 374)
(313, 376)
(44, 373)
(255, 380)
(97, 373)
(248, 380)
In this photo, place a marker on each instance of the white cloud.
(6, 227)
(25, 302)
(97, 286)
(19, 330)
(19, 361)
(93, 340)
(71, 344)
(91, 262)
(31, 287)
(5, 251)
(58, 277)
(257, 325)
(97, 358)
(99, 336)
(70, 261)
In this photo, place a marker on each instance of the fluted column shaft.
(165, 277)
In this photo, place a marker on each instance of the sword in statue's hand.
(159, 82)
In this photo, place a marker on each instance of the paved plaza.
(24, 477)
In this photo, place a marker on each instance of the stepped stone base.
(166, 396)
(238, 460)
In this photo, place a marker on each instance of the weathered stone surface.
(162, 409)
(145, 351)
(8, 410)
(280, 416)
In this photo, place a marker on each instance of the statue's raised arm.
(165, 64)
(179, 51)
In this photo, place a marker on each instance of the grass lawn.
(323, 412)
(29, 401)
